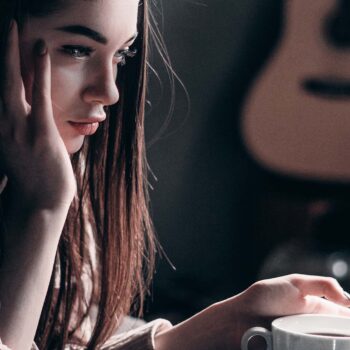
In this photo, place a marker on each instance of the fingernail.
(347, 295)
(12, 23)
(40, 48)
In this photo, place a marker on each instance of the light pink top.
(129, 336)
(141, 338)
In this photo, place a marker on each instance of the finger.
(316, 305)
(12, 86)
(326, 287)
(42, 114)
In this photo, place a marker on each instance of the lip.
(85, 129)
(92, 119)
(327, 87)
(87, 126)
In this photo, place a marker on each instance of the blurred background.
(224, 217)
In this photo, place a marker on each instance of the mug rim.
(275, 325)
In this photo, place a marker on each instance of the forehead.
(113, 18)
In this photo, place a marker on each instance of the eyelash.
(80, 52)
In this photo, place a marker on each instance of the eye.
(122, 55)
(77, 51)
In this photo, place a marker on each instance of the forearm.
(221, 326)
(28, 258)
(205, 330)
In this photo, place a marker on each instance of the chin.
(73, 146)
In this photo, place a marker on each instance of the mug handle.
(256, 332)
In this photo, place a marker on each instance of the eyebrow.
(90, 33)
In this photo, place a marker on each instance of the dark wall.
(207, 198)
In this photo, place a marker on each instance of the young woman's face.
(87, 41)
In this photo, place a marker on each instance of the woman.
(76, 236)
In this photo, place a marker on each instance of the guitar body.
(296, 120)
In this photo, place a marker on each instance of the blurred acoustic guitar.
(296, 120)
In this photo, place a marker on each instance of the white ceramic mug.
(304, 332)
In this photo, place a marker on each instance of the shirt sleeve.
(4, 347)
(141, 338)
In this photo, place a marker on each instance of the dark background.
(206, 199)
(220, 218)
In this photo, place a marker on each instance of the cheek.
(66, 89)
(66, 84)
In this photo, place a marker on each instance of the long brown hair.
(112, 202)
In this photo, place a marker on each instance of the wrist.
(26, 226)
(16, 204)
(205, 330)
(21, 202)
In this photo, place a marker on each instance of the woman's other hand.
(32, 153)
(222, 325)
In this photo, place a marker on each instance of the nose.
(101, 87)
(337, 25)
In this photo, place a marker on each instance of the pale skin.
(36, 139)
